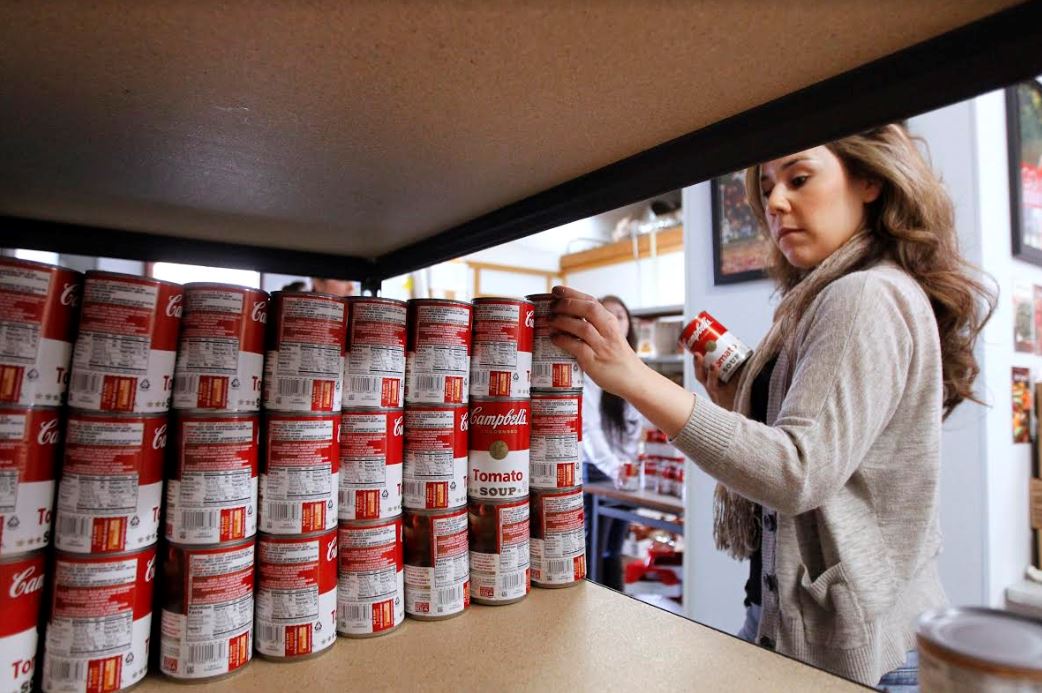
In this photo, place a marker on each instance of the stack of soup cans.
(211, 484)
(110, 492)
(558, 540)
(371, 592)
(437, 392)
(498, 451)
(38, 310)
(299, 479)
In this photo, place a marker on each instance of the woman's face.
(813, 206)
(620, 314)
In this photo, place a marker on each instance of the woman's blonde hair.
(912, 223)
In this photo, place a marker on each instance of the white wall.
(714, 585)
(646, 283)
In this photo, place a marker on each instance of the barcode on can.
(204, 653)
(75, 526)
(87, 382)
(510, 580)
(364, 384)
(290, 387)
(281, 511)
(544, 469)
(186, 384)
(67, 670)
(413, 488)
(428, 382)
(542, 369)
(199, 519)
(559, 565)
(450, 595)
(272, 634)
(358, 612)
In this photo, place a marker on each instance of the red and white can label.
(557, 433)
(437, 362)
(371, 593)
(499, 565)
(374, 370)
(124, 355)
(371, 463)
(553, 368)
(499, 439)
(304, 365)
(206, 621)
(435, 469)
(721, 349)
(29, 449)
(211, 495)
(220, 358)
(437, 566)
(502, 362)
(21, 591)
(300, 478)
(101, 621)
(111, 484)
(296, 594)
(38, 310)
(558, 537)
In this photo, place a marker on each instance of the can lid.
(222, 285)
(375, 299)
(438, 302)
(501, 299)
(988, 635)
(19, 262)
(532, 298)
(91, 274)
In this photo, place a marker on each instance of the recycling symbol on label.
(145, 384)
(33, 374)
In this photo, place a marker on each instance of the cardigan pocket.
(829, 610)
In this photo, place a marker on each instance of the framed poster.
(1024, 127)
(741, 249)
(1021, 388)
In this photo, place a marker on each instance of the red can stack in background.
(558, 545)
(39, 307)
(498, 450)
(370, 596)
(110, 491)
(438, 366)
(300, 464)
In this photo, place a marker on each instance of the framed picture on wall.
(1024, 125)
(740, 247)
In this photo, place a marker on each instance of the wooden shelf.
(365, 140)
(667, 241)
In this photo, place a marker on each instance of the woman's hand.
(586, 330)
(721, 393)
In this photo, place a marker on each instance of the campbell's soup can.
(971, 649)
(211, 485)
(553, 368)
(499, 565)
(300, 478)
(111, 486)
(500, 432)
(374, 369)
(22, 579)
(30, 446)
(501, 363)
(220, 357)
(435, 457)
(371, 463)
(557, 434)
(437, 565)
(437, 359)
(39, 305)
(101, 622)
(304, 362)
(558, 546)
(721, 349)
(296, 595)
(371, 589)
(125, 350)
(206, 618)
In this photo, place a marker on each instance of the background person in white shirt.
(611, 434)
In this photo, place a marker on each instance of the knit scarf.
(736, 524)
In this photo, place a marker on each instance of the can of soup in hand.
(553, 368)
(721, 349)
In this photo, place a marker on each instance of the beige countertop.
(582, 638)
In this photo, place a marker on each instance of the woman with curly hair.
(833, 474)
